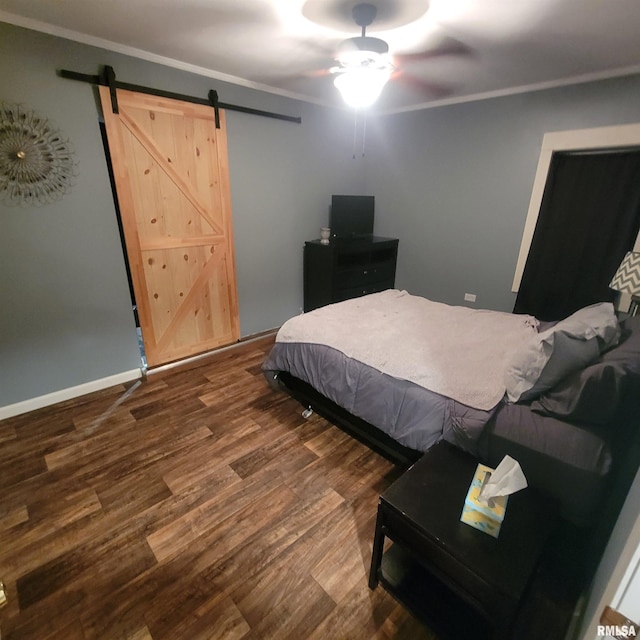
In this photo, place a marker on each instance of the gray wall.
(65, 314)
(454, 183)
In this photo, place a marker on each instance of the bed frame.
(363, 431)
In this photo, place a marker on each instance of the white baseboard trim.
(48, 399)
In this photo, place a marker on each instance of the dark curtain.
(589, 218)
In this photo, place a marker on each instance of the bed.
(402, 372)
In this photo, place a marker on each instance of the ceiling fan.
(365, 64)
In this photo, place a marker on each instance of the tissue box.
(478, 514)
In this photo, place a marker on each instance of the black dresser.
(347, 268)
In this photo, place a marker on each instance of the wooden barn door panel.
(171, 174)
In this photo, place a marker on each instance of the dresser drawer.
(364, 275)
(363, 290)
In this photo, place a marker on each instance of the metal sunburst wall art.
(37, 164)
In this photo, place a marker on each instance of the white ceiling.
(482, 47)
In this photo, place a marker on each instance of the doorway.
(589, 218)
(622, 136)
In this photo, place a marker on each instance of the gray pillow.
(543, 363)
(568, 346)
(593, 395)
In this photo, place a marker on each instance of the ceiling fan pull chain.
(364, 130)
(355, 131)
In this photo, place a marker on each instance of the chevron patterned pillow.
(627, 277)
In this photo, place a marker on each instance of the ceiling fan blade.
(447, 46)
(299, 78)
(319, 73)
(428, 88)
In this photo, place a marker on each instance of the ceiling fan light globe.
(360, 88)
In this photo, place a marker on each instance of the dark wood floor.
(196, 504)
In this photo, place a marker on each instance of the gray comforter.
(409, 413)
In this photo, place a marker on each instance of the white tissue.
(505, 480)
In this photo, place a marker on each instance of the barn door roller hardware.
(108, 79)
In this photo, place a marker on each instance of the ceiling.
(445, 51)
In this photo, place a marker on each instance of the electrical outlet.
(470, 297)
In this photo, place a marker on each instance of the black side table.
(460, 581)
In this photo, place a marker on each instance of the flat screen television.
(351, 216)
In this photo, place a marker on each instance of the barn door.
(171, 175)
